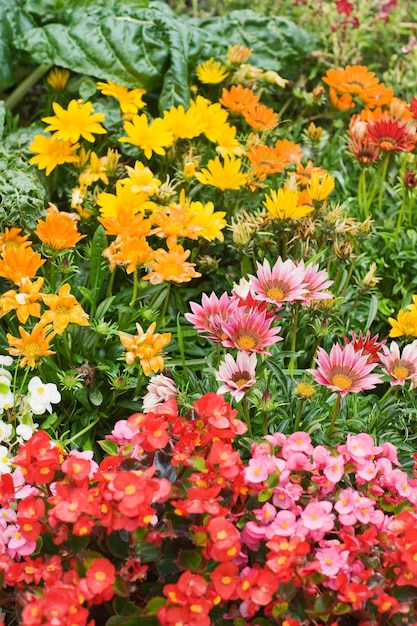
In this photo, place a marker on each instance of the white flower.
(5, 462)
(6, 360)
(25, 432)
(6, 401)
(5, 431)
(160, 388)
(42, 395)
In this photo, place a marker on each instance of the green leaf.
(95, 396)
(148, 552)
(13, 21)
(110, 447)
(132, 620)
(265, 495)
(153, 605)
(198, 463)
(373, 310)
(190, 560)
(342, 609)
(117, 546)
(98, 270)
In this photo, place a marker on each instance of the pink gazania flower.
(369, 346)
(400, 367)
(237, 376)
(390, 134)
(208, 317)
(250, 331)
(344, 370)
(284, 282)
(316, 282)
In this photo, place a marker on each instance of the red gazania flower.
(390, 134)
(369, 346)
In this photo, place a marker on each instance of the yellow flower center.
(275, 293)
(401, 372)
(246, 342)
(342, 381)
(241, 381)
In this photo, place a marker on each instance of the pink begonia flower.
(257, 470)
(298, 461)
(347, 500)
(364, 509)
(121, 432)
(317, 516)
(320, 456)
(400, 366)
(368, 471)
(284, 282)
(334, 469)
(282, 498)
(361, 446)
(384, 466)
(265, 514)
(7, 515)
(15, 544)
(299, 442)
(284, 525)
(344, 370)
(332, 560)
(252, 534)
(277, 439)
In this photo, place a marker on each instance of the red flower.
(369, 346)
(225, 579)
(100, 575)
(390, 134)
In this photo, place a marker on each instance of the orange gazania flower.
(266, 160)
(145, 347)
(20, 263)
(126, 222)
(238, 98)
(261, 117)
(11, 238)
(356, 80)
(64, 309)
(25, 301)
(174, 221)
(288, 149)
(303, 173)
(59, 230)
(172, 266)
(130, 252)
(31, 346)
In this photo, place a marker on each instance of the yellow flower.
(320, 189)
(64, 309)
(141, 179)
(124, 199)
(145, 348)
(238, 54)
(183, 124)
(212, 117)
(406, 324)
(228, 144)
(212, 72)
(77, 121)
(130, 100)
(150, 138)
(25, 302)
(58, 78)
(207, 222)
(283, 205)
(226, 175)
(52, 152)
(96, 170)
(172, 266)
(59, 230)
(30, 346)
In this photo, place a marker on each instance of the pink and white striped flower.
(284, 282)
(316, 283)
(344, 370)
(237, 375)
(250, 331)
(208, 317)
(400, 366)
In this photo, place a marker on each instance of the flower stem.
(294, 338)
(401, 215)
(21, 90)
(164, 306)
(386, 394)
(334, 415)
(245, 408)
(298, 416)
(135, 287)
(109, 291)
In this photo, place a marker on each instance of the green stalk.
(294, 338)
(334, 415)
(82, 432)
(164, 307)
(401, 214)
(382, 181)
(26, 85)
(135, 287)
(362, 194)
(298, 416)
(246, 415)
(109, 291)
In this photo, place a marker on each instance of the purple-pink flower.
(344, 370)
(400, 366)
(250, 331)
(284, 282)
(237, 375)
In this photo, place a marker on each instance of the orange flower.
(174, 221)
(59, 230)
(125, 223)
(304, 173)
(11, 238)
(145, 348)
(290, 150)
(31, 346)
(266, 160)
(356, 80)
(64, 309)
(130, 252)
(25, 302)
(172, 266)
(260, 117)
(20, 263)
(238, 98)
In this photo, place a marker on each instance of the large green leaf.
(13, 22)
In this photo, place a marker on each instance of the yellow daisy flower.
(283, 205)
(154, 137)
(52, 152)
(145, 347)
(58, 78)
(184, 124)
(141, 179)
(212, 72)
(124, 199)
(130, 100)
(207, 222)
(319, 189)
(77, 121)
(212, 117)
(226, 175)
